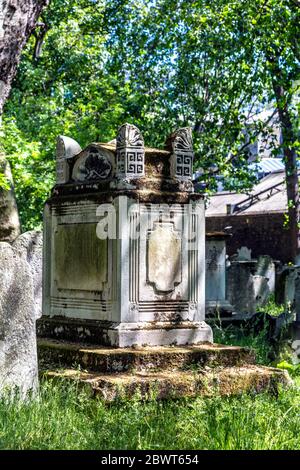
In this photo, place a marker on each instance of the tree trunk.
(17, 20)
(292, 182)
(10, 227)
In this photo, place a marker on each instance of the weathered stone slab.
(246, 288)
(266, 267)
(30, 246)
(124, 335)
(216, 303)
(18, 355)
(159, 372)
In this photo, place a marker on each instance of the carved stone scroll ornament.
(180, 143)
(130, 152)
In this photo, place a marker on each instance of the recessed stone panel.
(80, 258)
(164, 257)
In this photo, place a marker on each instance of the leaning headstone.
(289, 288)
(266, 268)
(30, 246)
(261, 291)
(246, 290)
(18, 356)
(66, 148)
(250, 282)
(240, 287)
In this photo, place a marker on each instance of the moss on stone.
(131, 359)
(225, 381)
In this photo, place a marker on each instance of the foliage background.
(94, 64)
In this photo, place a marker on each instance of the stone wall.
(262, 233)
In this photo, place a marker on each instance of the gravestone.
(289, 291)
(215, 276)
(30, 246)
(266, 267)
(250, 281)
(124, 244)
(18, 354)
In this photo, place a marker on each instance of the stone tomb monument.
(124, 250)
(124, 276)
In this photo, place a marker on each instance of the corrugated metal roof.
(267, 165)
(269, 195)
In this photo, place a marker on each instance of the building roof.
(269, 195)
(267, 165)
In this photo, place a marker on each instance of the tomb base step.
(123, 335)
(110, 360)
(168, 385)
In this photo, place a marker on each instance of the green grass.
(277, 355)
(64, 417)
(237, 336)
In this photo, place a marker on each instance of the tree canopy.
(213, 65)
